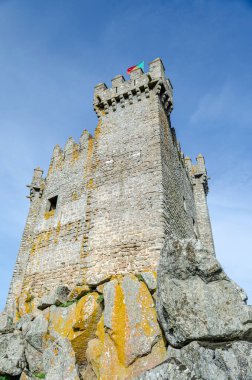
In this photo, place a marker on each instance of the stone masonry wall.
(126, 194)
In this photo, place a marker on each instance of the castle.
(108, 202)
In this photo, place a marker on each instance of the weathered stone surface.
(6, 323)
(130, 314)
(24, 322)
(87, 373)
(196, 300)
(34, 358)
(77, 322)
(35, 335)
(24, 303)
(96, 279)
(12, 358)
(129, 340)
(78, 292)
(171, 369)
(150, 278)
(59, 361)
(25, 375)
(58, 296)
(35, 332)
(223, 361)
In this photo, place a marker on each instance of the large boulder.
(35, 335)
(77, 322)
(196, 300)
(129, 340)
(171, 369)
(59, 361)
(57, 297)
(222, 361)
(130, 317)
(12, 357)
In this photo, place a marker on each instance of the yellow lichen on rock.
(119, 329)
(78, 292)
(129, 339)
(77, 322)
(25, 303)
(104, 360)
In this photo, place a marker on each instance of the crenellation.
(156, 68)
(139, 86)
(117, 81)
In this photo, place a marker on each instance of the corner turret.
(199, 180)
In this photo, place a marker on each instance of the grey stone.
(6, 323)
(36, 331)
(171, 369)
(58, 296)
(138, 342)
(59, 361)
(34, 359)
(196, 300)
(223, 361)
(24, 322)
(12, 358)
(97, 279)
(150, 280)
(109, 299)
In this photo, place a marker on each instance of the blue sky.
(52, 54)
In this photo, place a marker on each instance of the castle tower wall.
(125, 232)
(140, 190)
(108, 202)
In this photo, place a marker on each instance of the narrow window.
(53, 203)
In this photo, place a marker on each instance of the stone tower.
(108, 202)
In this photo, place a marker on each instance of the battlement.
(125, 92)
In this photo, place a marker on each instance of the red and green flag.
(139, 66)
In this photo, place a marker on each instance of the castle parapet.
(123, 93)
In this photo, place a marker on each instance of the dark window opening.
(53, 203)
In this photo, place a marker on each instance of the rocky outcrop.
(12, 354)
(104, 331)
(110, 329)
(171, 369)
(129, 339)
(77, 322)
(204, 316)
(59, 361)
(222, 361)
(196, 300)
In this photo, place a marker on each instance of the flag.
(139, 66)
